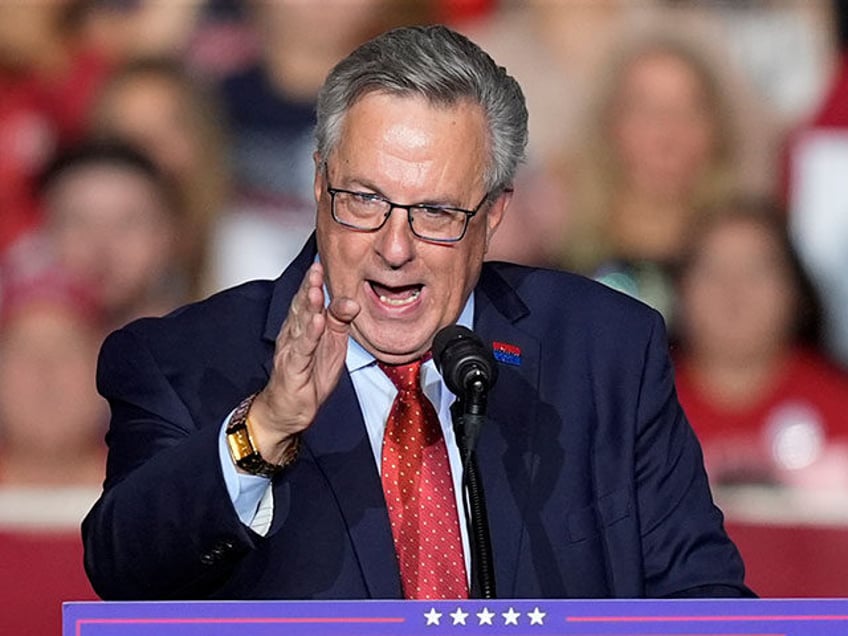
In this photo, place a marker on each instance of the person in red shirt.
(52, 423)
(767, 405)
(49, 73)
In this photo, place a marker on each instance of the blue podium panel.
(762, 617)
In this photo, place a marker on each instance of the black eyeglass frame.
(392, 205)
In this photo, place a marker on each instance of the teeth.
(396, 302)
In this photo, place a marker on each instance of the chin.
(395, 349)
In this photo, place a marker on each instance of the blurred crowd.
(689, 153)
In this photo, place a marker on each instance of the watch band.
(243, 450)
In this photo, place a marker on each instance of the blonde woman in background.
(659, 145)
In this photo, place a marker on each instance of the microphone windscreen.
(460, 355)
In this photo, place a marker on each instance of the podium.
(524, 617)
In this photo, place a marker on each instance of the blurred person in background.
(48, 74)
(51, 419)
(52, 422)
(768, 407)
(816, 190)
(270, 104)
(554, 49)
(113, 219)
(270, 108)
(131, 29)
(776, 57)
(158, 106)
(660, 144)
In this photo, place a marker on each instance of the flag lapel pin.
(507, 353)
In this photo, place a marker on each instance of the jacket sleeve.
(685, 549)
(164, 526)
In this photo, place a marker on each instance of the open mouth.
(396, 296)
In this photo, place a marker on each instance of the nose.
(395, 242)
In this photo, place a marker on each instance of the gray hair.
(444, 67)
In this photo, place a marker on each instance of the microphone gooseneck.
(469, 371)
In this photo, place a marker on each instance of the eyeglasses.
(368, 212)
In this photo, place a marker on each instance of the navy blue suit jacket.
(593, 476)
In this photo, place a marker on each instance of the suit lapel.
(338, 442)
(503, 450)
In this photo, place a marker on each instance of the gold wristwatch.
(243, 450)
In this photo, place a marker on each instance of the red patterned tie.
(419, 493)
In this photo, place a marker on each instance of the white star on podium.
(433, 616)
(459, 616)
(511, 617)
(536, 616)
(485, 616)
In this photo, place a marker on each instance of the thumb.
(341, 313)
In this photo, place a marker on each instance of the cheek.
(635, 152)
(459, 270)
(84, 257)
(144, 249)
(343, 256)
(706, 304)
(15, 374)
(25, 382)
(697, 147)
(149, 248)
(696, 303)
(774, 307)
(78, 392)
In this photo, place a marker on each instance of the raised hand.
(308, 360)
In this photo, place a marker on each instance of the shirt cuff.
(245, 491)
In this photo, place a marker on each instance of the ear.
(318, 182)
(496, 213)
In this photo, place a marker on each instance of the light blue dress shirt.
(251, 494)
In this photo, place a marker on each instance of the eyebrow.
(353, 184)
(431, 202)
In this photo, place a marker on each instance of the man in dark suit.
(246, 450)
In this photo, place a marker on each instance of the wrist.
(251, 451)
(272, 433)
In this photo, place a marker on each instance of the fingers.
(312, 290)
(305, 323)
(308, 317)
(309, 356)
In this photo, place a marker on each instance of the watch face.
(239, 442)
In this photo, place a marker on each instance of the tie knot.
(403, 376)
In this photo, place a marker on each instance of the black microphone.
(464, 361)
(469, 371)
